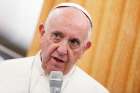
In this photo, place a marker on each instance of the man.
(64, 38)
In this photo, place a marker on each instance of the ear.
(87, 45)
(41, 29)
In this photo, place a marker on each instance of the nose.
(62, 49)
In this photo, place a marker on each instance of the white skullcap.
(77, 7)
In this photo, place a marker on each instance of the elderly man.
(64, 38)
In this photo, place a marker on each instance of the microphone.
(55, 81)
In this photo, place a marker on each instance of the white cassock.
(25, 75)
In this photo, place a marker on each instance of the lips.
(58, 59)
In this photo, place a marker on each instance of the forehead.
(68, 20)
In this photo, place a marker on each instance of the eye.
(56, 36)
(74, 43)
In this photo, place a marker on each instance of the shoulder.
(87, 81)
(16, 61)
(15, 72)
(16, 64)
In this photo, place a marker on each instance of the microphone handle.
(55, 90)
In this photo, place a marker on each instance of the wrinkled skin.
(63, 39)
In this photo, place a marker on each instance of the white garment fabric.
(25, 75)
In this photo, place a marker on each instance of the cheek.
(45, 42)
(77, 53)
(73, 57)
(45, 45)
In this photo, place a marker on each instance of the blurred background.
(114, 58)
(18, 19)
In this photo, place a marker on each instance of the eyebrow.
(76, 39)
(57, 32)
(71, 38)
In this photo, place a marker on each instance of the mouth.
(58, 59)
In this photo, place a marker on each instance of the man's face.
(63, 43)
